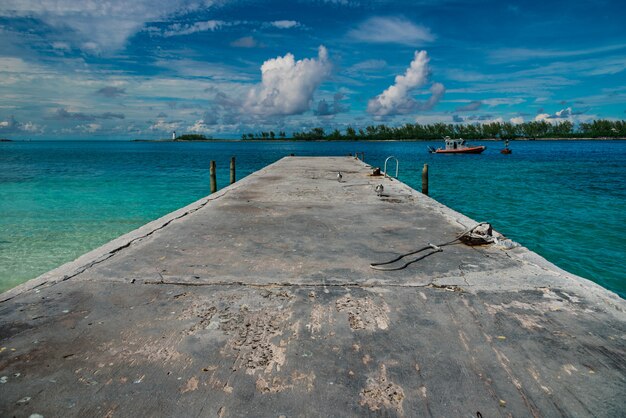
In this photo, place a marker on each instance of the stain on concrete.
(201, 314)
(296, 380)
(380, 393)
(364, 313)
(190, 386)
(253, 336)
(320, 315)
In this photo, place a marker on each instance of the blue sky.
(119, 69)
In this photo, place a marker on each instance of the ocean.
(565, 200)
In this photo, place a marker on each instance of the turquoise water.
(565, 200)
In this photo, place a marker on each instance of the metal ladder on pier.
(397, 166)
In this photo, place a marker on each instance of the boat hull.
(468, 150)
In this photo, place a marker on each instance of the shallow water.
(565, 200)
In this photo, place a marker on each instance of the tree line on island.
(601, 128)
(504, 130)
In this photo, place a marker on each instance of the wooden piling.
(232, 170)
(213, 178)
(425, 179)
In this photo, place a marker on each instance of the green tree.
(350, 132)
(336, 134)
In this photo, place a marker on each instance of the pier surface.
(259, 301)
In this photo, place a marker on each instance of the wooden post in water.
(232, 170)
(213, 179)
(425, 179)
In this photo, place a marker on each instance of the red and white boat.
(458, 146)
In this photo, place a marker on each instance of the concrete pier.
(258, 300)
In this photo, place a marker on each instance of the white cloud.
(285, 24)
(517, 120)
(564, 113)
(523, 54)
(90, 127)
(396, 100)
(99, 24)
(287, 85)
(162, 125)
(31, 127)
(371, 68)
(561, 115)
(199, 127)
(62, 46)
(13, 126)
(368, 65)
(178, 29)
(500, 101)
(391, 30)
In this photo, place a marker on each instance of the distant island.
(597, 129)
(182, 138)
(5, 140)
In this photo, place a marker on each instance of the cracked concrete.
(259, 301)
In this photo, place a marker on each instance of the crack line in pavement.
(432, 284)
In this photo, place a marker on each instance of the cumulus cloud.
(391, 30)
(11, 125)
(517, 120)
(164, 126)
(566, 113)
(287, 86)
(199, 127)
(563, 113)
(208, 122)
(396, 99)
(99, 24)
(475, 105)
